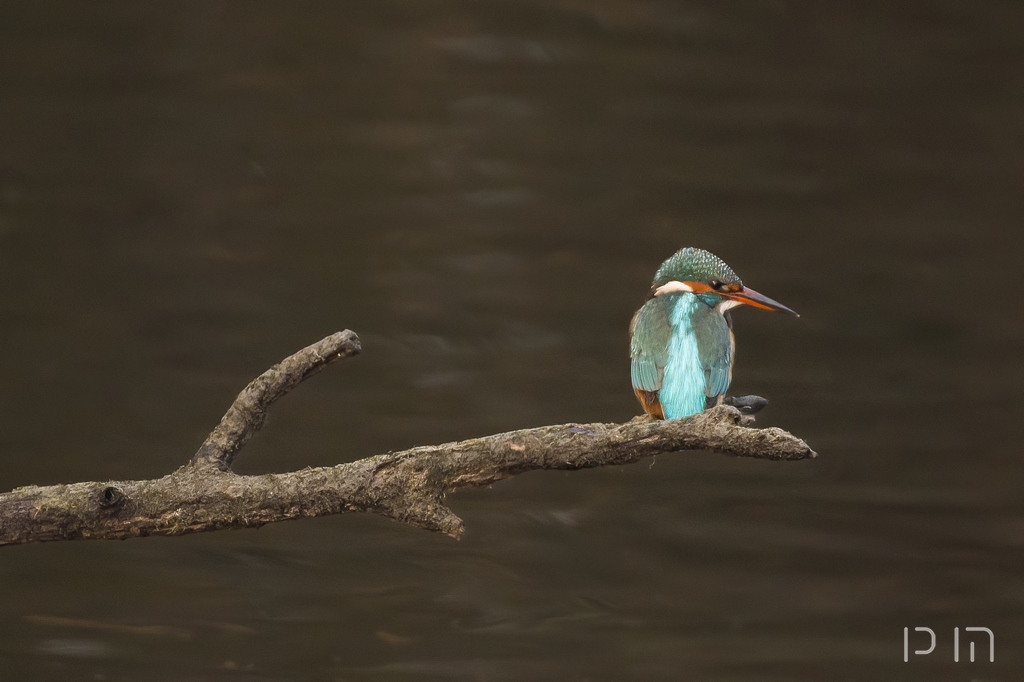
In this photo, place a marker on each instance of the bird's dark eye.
(715, 284)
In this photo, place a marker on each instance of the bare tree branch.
(408, 486)
(246, 415)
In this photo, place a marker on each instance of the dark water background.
(190, 191)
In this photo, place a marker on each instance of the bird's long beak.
(748, 296)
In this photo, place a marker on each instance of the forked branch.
(408, 486)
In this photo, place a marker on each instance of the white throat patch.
(727, 304)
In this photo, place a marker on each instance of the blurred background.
(190, 191)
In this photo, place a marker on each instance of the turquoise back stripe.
(682, 386)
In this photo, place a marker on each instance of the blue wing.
(715, 350)
(648, 344)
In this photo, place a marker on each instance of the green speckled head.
(695, 265)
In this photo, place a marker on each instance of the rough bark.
(408, 486)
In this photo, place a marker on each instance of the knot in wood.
(111, 497)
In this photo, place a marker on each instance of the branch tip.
(249, 410)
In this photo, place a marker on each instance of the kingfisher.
(681, 342)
